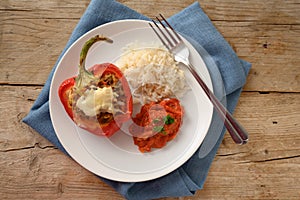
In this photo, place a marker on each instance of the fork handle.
(235, 129)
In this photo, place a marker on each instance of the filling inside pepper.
(103, 99)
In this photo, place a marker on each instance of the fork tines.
(166, 33)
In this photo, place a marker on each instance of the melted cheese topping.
(96, 99)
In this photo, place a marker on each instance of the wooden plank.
(254, 180)
(279, 47)
(32, 9)
(272, 50)
(35, 44)
(15, 103)
(259, 113)
(47, 173)
(271, 12)
(265, 168)
(268, 12)
(272, 121)
(37, 173)
(31, 48)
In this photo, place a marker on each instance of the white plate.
(117, 158)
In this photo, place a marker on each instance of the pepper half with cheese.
(99, 99)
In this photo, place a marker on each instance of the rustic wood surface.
(265, 33)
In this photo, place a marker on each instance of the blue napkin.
(226, 70)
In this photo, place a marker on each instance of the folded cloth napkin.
(226, 70)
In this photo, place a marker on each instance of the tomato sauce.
(156, 124)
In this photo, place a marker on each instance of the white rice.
(152, 74)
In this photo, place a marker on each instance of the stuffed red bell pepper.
(99, 99)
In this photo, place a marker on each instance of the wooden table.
(265, 33)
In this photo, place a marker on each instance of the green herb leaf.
(168, 120)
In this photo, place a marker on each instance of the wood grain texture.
(34, 38)
(266, 168)
(33, 34)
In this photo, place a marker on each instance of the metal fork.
(174, 43)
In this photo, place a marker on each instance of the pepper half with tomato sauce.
(99, 99)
